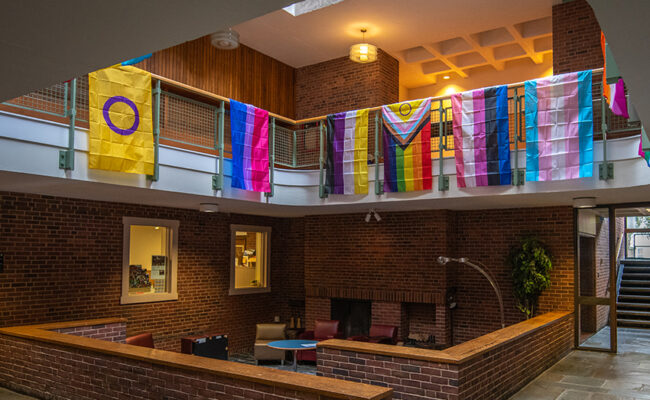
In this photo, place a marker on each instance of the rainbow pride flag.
(347, 153)
(559, 127)
(249, 130)
(481, 137)
(407, 146)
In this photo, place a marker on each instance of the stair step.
(634, 298)
(633, 305)
(636, 268)
(634, 276)
(635, 289)
(633, 322)
(635, 282)
(644, 314)
(638, 261)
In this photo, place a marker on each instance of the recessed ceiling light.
(209, 207)
(445, 77)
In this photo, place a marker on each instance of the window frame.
(170, 224)
(267, 258)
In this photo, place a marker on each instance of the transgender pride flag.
(249, 130)
(481, 139)
(559, 127)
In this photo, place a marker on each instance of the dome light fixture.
(227, 39)
(209, 207)
(363, 52)
(584, 202)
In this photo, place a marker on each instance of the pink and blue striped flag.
(559, 127)
(481, 137)
(249, 130)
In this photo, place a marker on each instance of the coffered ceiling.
(430, 38)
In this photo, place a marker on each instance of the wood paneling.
(242, 74)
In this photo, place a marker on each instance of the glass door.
(595, 278)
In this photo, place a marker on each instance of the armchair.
(323, 330)
(143, 340)
(266, 333)
(383, 334)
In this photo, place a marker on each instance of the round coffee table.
(295, 346)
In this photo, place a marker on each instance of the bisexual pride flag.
(407, 146)
(481, 138)
(559, 127)
(249, 130)
(347, 153)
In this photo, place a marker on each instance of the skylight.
(307, 6)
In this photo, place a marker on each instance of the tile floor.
(303, 368)
(587, 375)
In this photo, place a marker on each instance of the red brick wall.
(63, 261)
(398, 254)
(486, 236)
(488, 376)
(115, 332)
(27, 366)
(576, 38)
(341, 85)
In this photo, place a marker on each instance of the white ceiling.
(47, 42)
(428, 37)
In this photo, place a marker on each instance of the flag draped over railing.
(347, 153)
(249, 129)
(481, 137)
(121, 130)
(559, 127)
(407, 146)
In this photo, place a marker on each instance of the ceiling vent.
(225, 40)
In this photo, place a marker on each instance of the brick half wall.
(473, 370)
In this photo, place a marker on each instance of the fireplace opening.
(354, 316)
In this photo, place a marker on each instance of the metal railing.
(193, 119)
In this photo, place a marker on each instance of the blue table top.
(293, 344)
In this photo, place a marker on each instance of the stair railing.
(619, 266)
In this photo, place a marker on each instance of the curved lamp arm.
(483, 271)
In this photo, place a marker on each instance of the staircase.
(633, 305)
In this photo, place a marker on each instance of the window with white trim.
(149, 260)
(249, 255)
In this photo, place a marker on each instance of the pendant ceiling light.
(363, 52)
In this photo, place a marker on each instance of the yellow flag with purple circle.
(121, 127)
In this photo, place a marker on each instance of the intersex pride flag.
(347, 152)
(407, 146)
(121, 129)
(559, 127)
(249, 130)
(481, 139)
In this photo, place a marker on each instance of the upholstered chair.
(323, 330)
(143, 340)
(265, 334)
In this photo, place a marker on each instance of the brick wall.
(27, 367)
(488, 375)
(576, 38)
(63, 261)
(397, 255)
(486, 236)
(115, 332)
(341, 85)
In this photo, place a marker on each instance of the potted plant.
(531, 267)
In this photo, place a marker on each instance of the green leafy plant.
(531, 268)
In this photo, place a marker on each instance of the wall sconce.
(372, 212)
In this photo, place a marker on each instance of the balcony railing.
(194, 119)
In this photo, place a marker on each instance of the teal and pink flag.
(249, 129)
(559, 127)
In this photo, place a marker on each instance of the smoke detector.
(225, 40)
